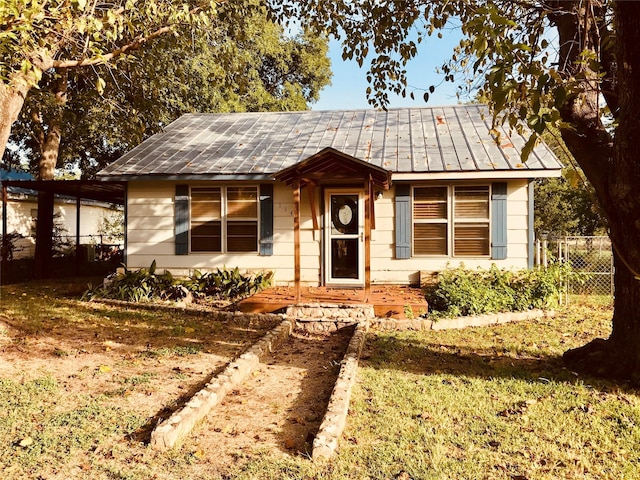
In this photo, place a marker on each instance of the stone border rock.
(235, 317)
(180, 424)
(459, 322)
(326, 441)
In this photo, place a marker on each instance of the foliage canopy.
(237, 61)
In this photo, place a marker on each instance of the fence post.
(564, 247)
(544, 253)
(537, 253)
(612, 288)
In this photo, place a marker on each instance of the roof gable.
(332, 164)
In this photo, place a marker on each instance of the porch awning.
(331, 164)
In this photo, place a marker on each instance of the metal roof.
(424, 140)
(100, 190)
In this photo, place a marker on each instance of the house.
(74, 219)
(332, 198)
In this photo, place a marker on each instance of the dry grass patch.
(82, 384)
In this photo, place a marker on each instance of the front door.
(344, 237)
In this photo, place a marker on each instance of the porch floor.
(392, 301)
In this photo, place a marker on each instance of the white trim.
(476, 175)
(328, 280)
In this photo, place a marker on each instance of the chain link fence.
(591, 258)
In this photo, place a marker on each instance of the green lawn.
(481, 403)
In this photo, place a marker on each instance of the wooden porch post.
(367, 240)
(296, 238)
(78, 260)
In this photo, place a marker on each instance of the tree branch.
(137, 43)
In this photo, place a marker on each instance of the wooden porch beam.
(296, 238)
(368, 208)
(372, 202)
(311, 191)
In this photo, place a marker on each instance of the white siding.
(385, 268)
(150, 225)
(150, 236)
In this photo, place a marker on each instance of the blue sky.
(349, 83)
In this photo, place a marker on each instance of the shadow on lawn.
(430, 358)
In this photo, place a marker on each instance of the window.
(430, 216)
(224, 219)
(471, 221)
(451, 220)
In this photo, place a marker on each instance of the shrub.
(145, 285)
(461, 291)
(227, 283)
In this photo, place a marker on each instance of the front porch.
(389, 301)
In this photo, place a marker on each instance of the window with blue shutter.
(499, 221)
(403, 221)
(219, 219)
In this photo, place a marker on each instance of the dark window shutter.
(266, 219)
(403, 221)
(182, 219)
(499, 221)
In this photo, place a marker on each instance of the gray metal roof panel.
(404, 140)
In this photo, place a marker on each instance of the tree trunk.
(616, 179)
(44, 235)
(50, 151)
(618, 356)
(12, 97)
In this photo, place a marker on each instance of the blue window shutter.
(266, 219)
(182, 219)
(499, 221)
(403, 221)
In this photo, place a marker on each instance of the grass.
(82, 385)
(480, 403)
(492, 403)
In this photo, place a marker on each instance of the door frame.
(327, 236)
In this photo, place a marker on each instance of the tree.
(566, 205)
(62, 35)
(588, 87)
(240, 62)
(37, 37)
(562, 208)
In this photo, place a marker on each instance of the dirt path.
(279, 408)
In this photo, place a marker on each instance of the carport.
(101, 190)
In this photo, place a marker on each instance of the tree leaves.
(241, 62)
(505, 52)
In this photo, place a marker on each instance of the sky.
(349, 83)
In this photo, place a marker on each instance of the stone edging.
(180, 424)
(235, 317)
(335, 418)
(459, 322)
